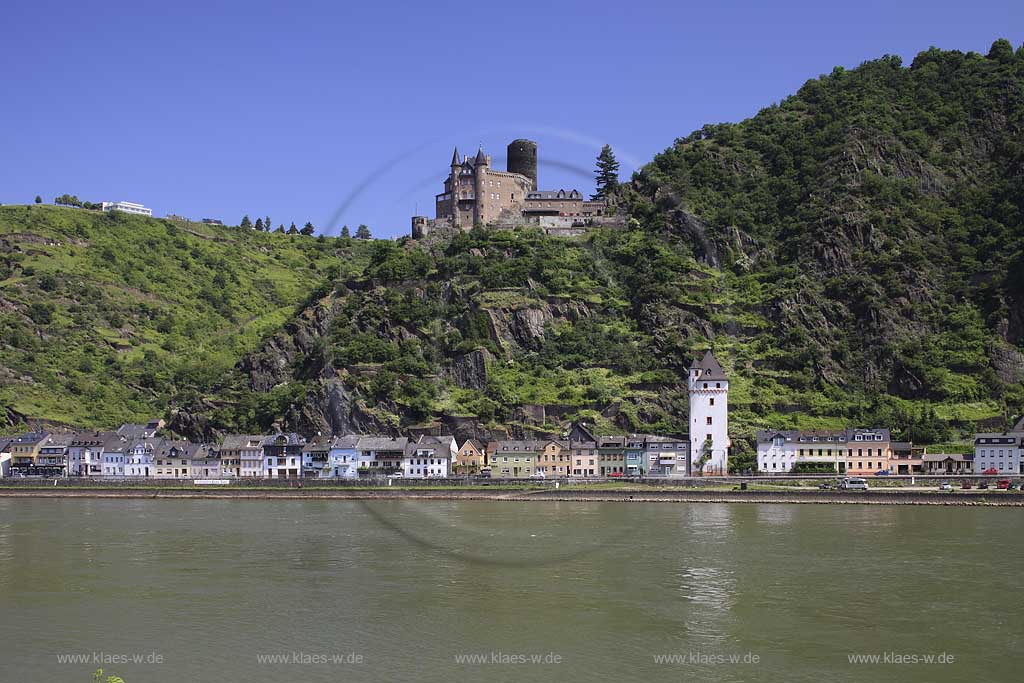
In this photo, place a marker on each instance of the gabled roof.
(92, 438)
(29, 438)
(474, 444)
(382, 443)
(237, 442)
(709, 367)
(941, 457)
(349, 443)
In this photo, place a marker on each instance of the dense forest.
(853, 254)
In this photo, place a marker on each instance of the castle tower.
(709, 417)
(522, 159)
(480, 165)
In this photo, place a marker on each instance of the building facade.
(709, 417)
(128, 207)
(476, 193)
(853, 452)
(999, 453)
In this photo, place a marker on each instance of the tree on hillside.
(280, 228)
(259, 225)
(246, 223)
(307, 229)
(267, 225)
(292, 230)
(39, 200)
(1001, 51)
(344, 232)
(362, 232)
(607, 173)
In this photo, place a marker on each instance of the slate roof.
(238, 442)
(940, 457)
(345, 442)
(709, 367)
(382, 443)
(837, 435)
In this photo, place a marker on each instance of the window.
(711, 402)
(709, 419)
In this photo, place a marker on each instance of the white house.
(114, 457)
(128, 207)
(381, 455)
(709, 417)
(85, 454)
(430, 456)
(316, 459)
(139, 460)
(999, 452)
(5, 458)
(282, 456)
(343, 457)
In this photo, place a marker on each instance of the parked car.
(615, 474)
(538, 475)
(945, 486)
(991, 470)
(966, 485)
(1013, 486)
(882, 473)
(827, 486)
(396, 475)
(1003, 484)
(982, 484)
(854, 484)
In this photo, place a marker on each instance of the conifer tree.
(607, 173)
(363, 232)
(246, 223)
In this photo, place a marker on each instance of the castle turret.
(479, 171)
(709, 417)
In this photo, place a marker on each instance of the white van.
(854, 484)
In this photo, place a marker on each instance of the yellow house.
(470, 458)
(24, 452)
(554, 459)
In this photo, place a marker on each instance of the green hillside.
(105, 317)
(854, 255)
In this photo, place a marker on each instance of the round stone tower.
(522, 159)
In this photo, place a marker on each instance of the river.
(330, 590)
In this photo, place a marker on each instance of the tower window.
(712, 401)
(718, 385)
(709, 419)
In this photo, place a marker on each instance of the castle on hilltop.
(474, 193)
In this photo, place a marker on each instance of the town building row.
(139, 451)
(866, 452)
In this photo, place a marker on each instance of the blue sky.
(339, 112)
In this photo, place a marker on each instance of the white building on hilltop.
(709, 417)
(128, 207)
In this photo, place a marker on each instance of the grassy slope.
(103, 316)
